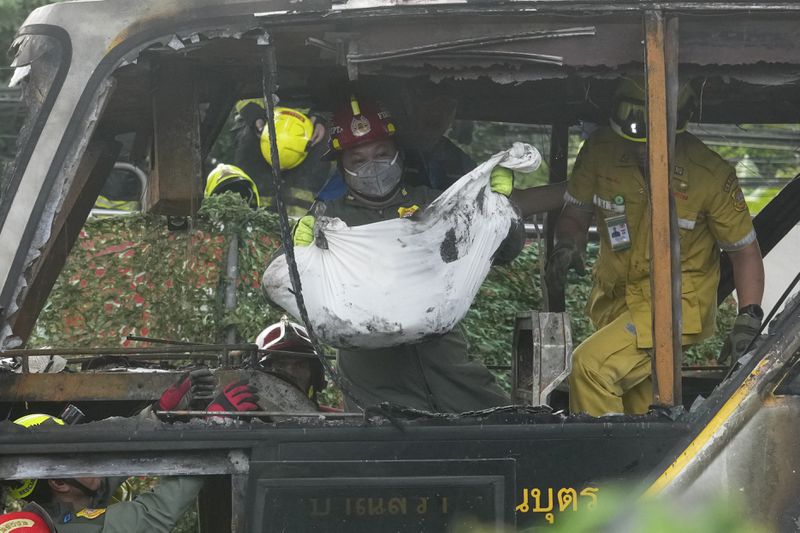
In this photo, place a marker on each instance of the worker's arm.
(748, 277)
(571, 232)
(573, 225)
(748, 274)
(539, 199)
(154, 512)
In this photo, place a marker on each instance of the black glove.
(745, 328)
(194, 387)
(252, 112)
(565, 255)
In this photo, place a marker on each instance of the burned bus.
(158, 82)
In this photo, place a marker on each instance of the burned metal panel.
(389, 495)
(95, 167)
(758, 469)
(207, 462)
(499, 47)
(737, 39)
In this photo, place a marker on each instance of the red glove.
(237, 396)
(200, 382)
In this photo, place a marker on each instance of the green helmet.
(231, 178)
(628, 112)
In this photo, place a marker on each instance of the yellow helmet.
(628, 112)
(232, 178)
(22, 488)
(293, 130)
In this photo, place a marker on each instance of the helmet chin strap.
(89, 493)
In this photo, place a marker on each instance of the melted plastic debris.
(175, 43)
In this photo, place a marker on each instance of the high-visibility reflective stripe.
(571, 200)
(608, 205)
(741, 243)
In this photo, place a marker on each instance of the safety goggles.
(630, 120)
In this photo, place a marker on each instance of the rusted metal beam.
(91, 386)
(666, 332)
(176, 185)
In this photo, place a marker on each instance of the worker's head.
(291, 356)
(628, 111)
(362, 139)
(426, 112)
(32, 489)
(231, 178)
(28, 520)
(294, 135)
(80, 491)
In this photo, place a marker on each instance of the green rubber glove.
(304, 231)
(744, 330)
(502, 181)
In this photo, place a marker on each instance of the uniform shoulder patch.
(730, 182)
(739, 203)
(91, 514)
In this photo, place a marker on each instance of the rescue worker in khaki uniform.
(612, 368)
(435, 375)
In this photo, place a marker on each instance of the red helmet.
(359, 122)
(24, 522)
(285, 336)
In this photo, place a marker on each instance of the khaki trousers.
(610, 374)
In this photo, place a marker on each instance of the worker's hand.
(744, 330)
(238, 396)
(304, 231)
(502, 181)
(194, 386)
(565, 255)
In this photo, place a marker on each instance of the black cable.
(269, 75)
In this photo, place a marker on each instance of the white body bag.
(399, 281)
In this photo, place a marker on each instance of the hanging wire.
(269, 75)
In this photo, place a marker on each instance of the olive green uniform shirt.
(151, 512)
(433, 375)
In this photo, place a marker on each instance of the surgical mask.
(377, 178)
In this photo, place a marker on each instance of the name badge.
(618, 233)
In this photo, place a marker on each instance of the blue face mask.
(377, 178)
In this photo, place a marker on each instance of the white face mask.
(377, 178)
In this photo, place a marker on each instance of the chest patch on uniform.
(407, 212)
(91, 514)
